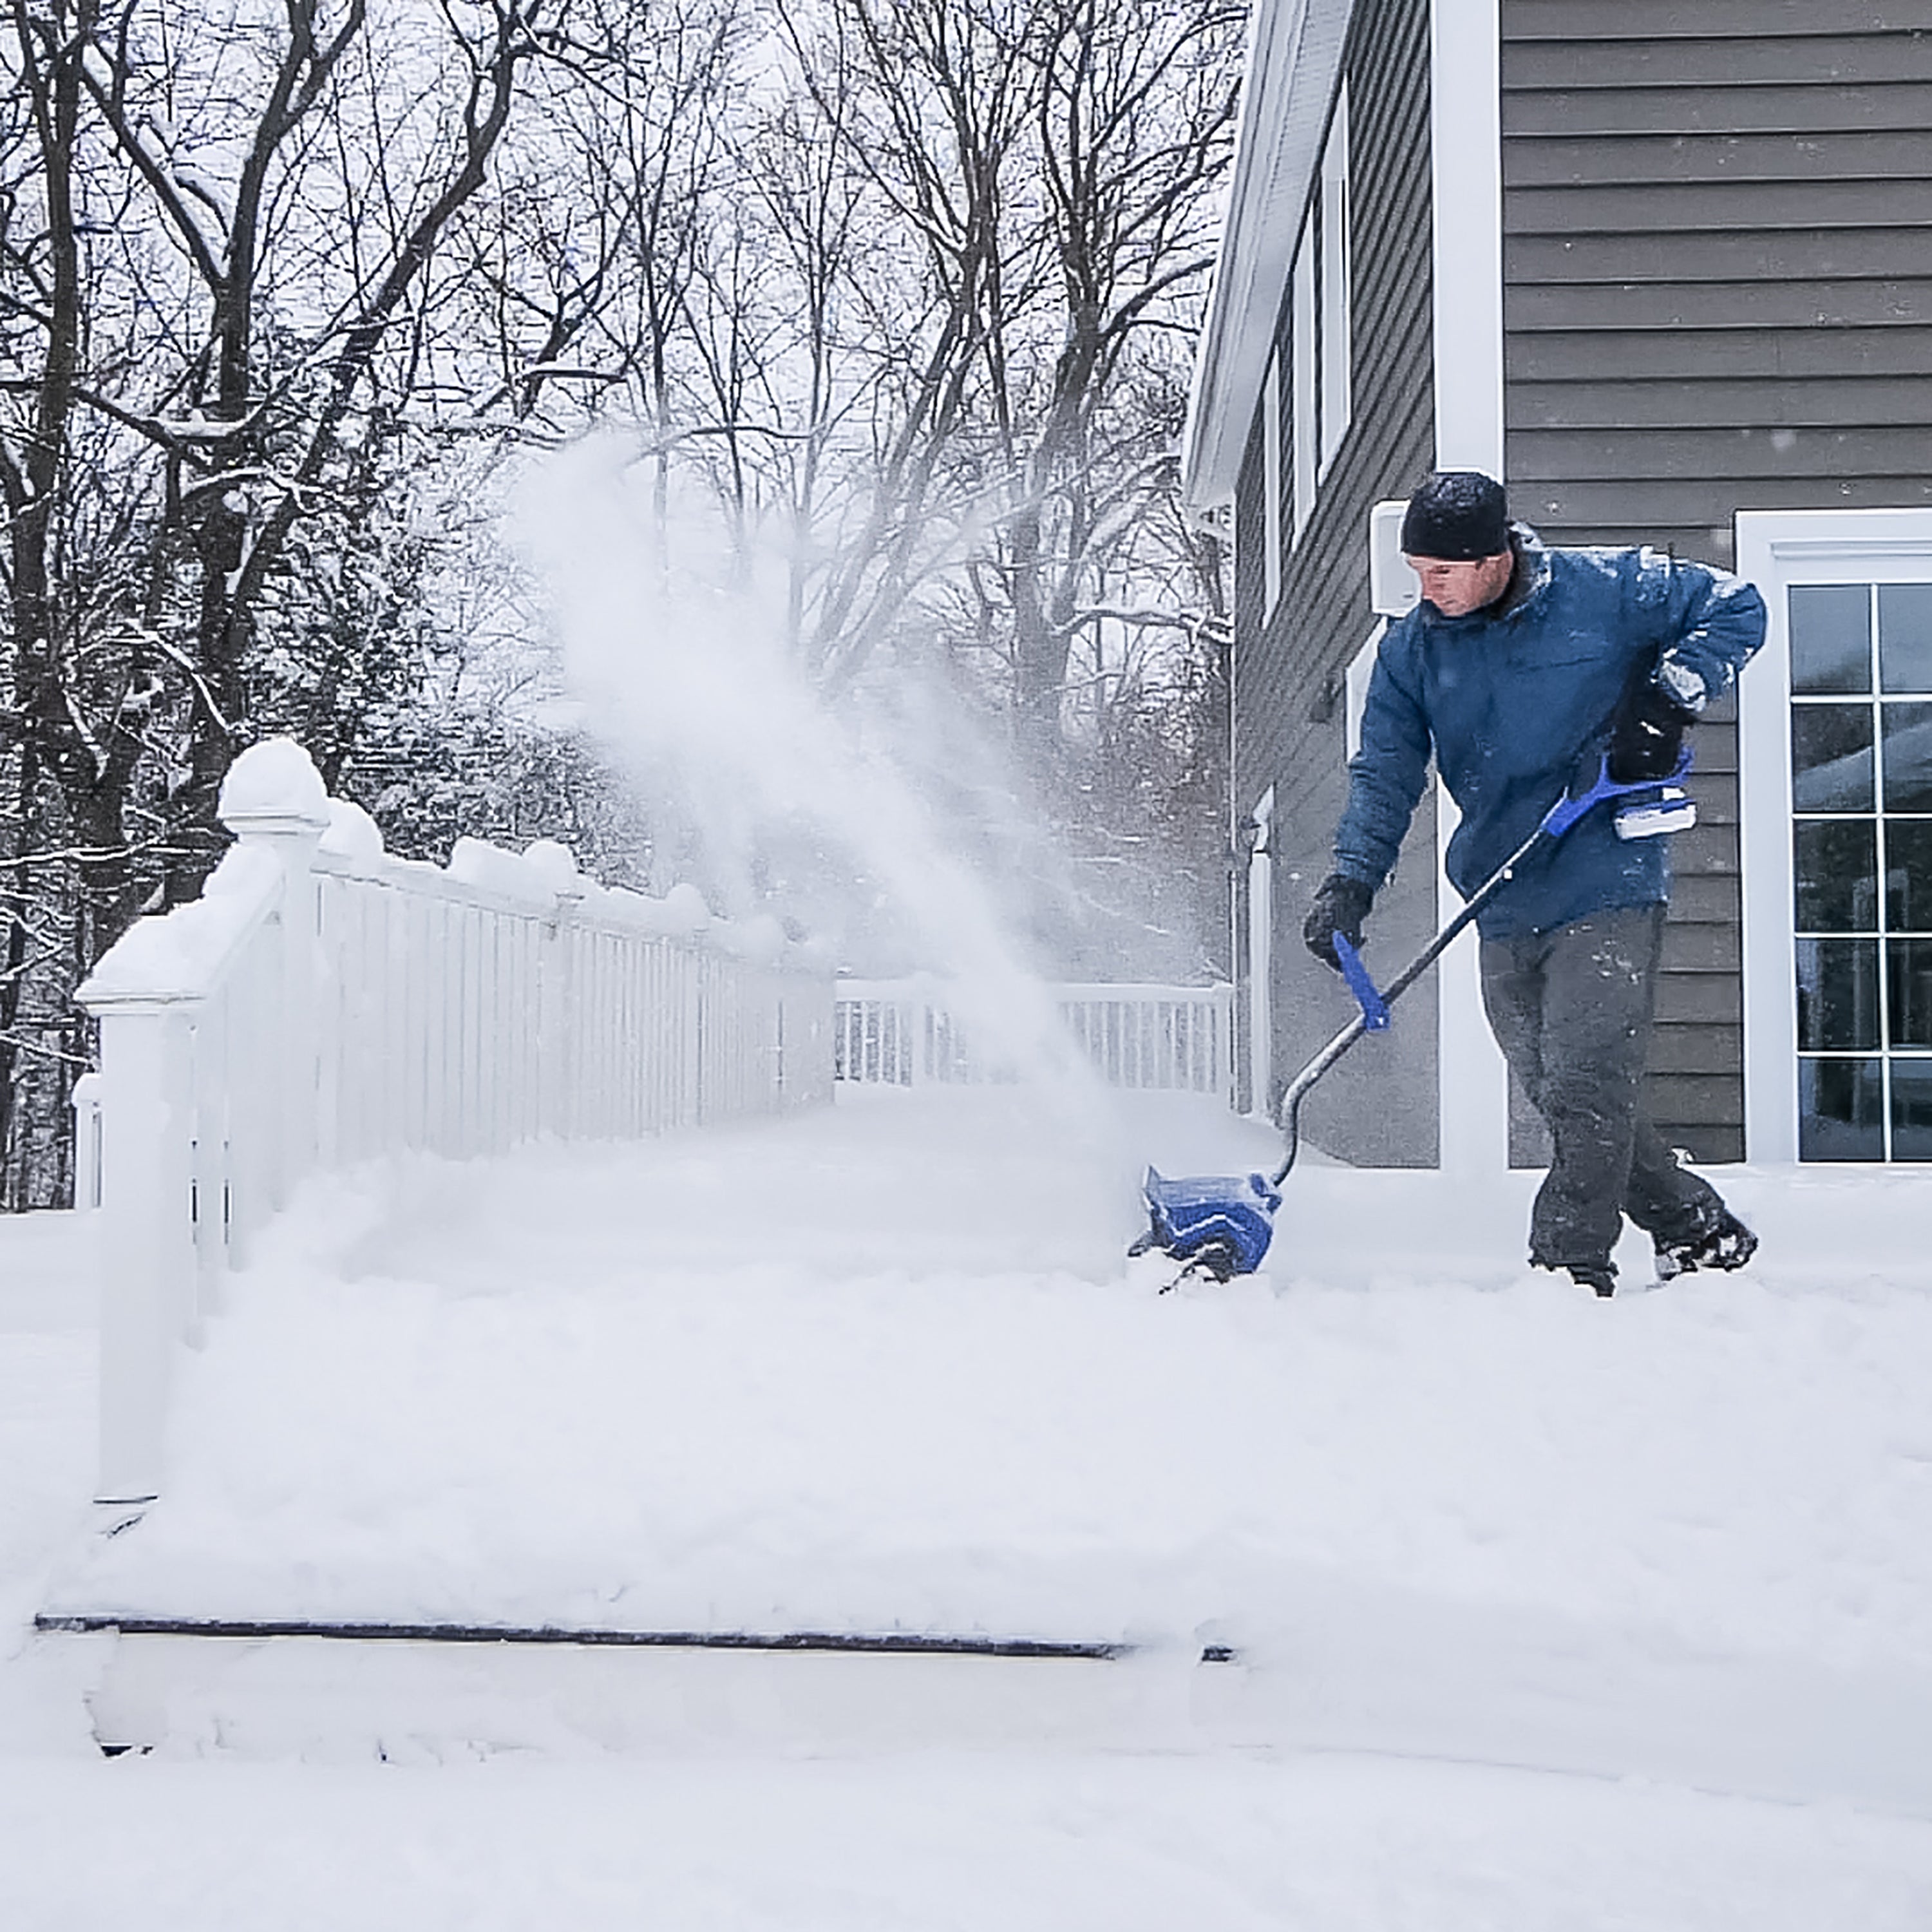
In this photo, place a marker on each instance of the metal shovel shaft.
(1568, 810)
(1298, 1088)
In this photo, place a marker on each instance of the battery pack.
(1675, 811)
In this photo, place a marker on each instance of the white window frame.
(1776, 549)
(1303, 427)
(1337, 347)
(1271, 482)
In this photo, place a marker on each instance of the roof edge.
(1294, 57)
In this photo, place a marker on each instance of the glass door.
(1861, 725)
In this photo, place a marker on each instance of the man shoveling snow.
(1504, 671)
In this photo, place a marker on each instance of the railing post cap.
(351, 834)
(555, 866)
(817, 953)
(685, 905)
(274, 787)
(760, 939)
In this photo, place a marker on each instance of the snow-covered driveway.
(1546, 1611)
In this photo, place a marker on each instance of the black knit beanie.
(1456, 516)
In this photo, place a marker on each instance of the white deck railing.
(900, 1033)
(323, 1004)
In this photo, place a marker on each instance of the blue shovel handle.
(1565, 812)
(1375, 1008)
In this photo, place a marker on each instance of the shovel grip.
(1375, 1008)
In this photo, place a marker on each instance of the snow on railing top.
(183, 956)
(273, 793)
(545, 877)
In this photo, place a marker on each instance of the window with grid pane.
(1861, 855)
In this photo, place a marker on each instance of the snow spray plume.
(681, 676)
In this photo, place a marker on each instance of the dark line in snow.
(894, 1642)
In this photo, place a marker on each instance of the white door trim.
(1775, 549)
(1465, 160)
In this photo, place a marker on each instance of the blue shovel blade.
(1223, 1221)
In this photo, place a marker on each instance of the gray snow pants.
(1571, 1009)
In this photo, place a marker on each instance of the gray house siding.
(1290, 712)
(1718, 296)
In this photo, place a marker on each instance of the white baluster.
(85, 1102)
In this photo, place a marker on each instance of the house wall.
(1717, 279)
(1379, 1106)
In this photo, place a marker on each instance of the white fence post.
(808, 1024)
(147, 1240)
(557, 1034)
(274, 800)
(163, 1171)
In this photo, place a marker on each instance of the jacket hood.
(1532, 573)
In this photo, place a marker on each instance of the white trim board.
(1466, 159)
(1466, 218)
(1361, 668)
(1260, 960)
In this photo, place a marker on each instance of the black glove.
(1647, 734)
(1340, 905)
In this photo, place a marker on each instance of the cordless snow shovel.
(1220, 1226)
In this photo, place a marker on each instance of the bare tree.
(996, 224)
(1135, 110)
(283, 408)
(941, 313)
(218, 239)
(927, 104)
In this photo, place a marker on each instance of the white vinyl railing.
(323, 1003)
(900, 1033)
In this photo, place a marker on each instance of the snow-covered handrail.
(324, 1003)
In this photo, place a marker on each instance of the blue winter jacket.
(1509, 698)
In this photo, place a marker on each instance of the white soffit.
(1295, 55)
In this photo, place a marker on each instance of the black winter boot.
(1728, 1244)
(1601, 1281)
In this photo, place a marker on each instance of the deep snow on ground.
(889, 1368)
(1550, 1611)
(1009, 1845)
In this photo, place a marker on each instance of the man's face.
(1455, 588)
